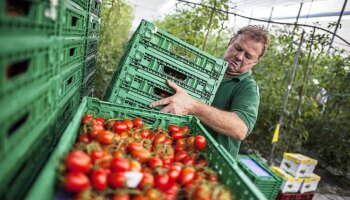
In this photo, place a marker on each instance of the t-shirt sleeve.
(245, 104)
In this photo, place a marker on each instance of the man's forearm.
(224, 122)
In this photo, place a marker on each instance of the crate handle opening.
(72, 51)
(17, 7)
(18, 124)
(161, 92)
(74, 21)
(172, 72)
(17, 68)
(70, 80)
(93, 25)
(96, 5)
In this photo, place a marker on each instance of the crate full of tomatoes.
(110, 151)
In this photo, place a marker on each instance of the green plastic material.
(268, 185)
(83, 3)
(88, 82)
(73, 19)
(89, 66)
(25, 63)
(22, 113)
(93, 25)
(72, 52)
(35, 17)
(227, 169)
(95, 7)
(91, 46)
(159, 41)
(69, 80)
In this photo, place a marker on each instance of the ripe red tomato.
(97, 154)
(145, 133)
(135, 166)
(155, 162)
(78, 161)
(173, 189)
(120, 197)
(177, 134)
(142, 155)
(120, 127)
(99, 179)
(105, 137)
(173, 128)
(160, 138)
(187, 175)
(174, 173)
(116, 179)
(179, 156)
(178, 148)
(188, 160)
(146, 181)
(87, 118)
(161, 181)
(120, 164)
(135, 146)
(76, 181)
(137, 122)
(200, 142)
(83, 138)
(185, 129)
(128, 123)
(101, 120)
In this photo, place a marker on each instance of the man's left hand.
(180, 103)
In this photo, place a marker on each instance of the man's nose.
(239, 56)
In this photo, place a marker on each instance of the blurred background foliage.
(317, 116)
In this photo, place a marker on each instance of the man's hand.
(180, 103)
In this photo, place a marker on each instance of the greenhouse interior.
(175, 99)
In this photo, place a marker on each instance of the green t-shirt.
(238, 94)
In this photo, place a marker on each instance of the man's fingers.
(166, 109)
(174, 86)
(160, 102)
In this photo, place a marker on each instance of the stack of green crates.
(151, 57)
(261, 175)
(218, 158)
(92, 36)
(42, 62)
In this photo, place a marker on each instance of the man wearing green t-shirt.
(234, 110)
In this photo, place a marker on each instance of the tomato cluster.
(109, 153)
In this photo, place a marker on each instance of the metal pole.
(268, 24)
(286, 95)
(297, 19)
(336, 27)
(210, 21)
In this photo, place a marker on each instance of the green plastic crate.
(95, 7)
(93, 25)
(22, 113)
(88, 82)
(139, 61)
(20, 167)
(90, 93)
(227, 169)
(91, 46)
(90, 65)
(66, 110)
(73, 19)
(25, 62)
(72, 51)
(159, 41)
(83, 3)
(261, 175)
(68, 80)
(34, 17)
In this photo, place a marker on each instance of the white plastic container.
(290, 184)
(298, 165)
(310, 184)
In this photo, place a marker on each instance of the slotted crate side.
(69, 80)
(89, 65)
(20, 168)
(88, 83)
(25, 62)
(73, 19)
(89, 93)
(23, 113)
(140, 61)
(241, 187)
(159, 41)
(37, 17)
(72, 51)
(95, 7)
(93, 25)
(91, 46)
(83, 3)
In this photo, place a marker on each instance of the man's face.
(242, 54)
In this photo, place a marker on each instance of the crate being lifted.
(153, 56)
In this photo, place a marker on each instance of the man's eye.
(237, 48)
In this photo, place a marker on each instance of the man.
(234, 110)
